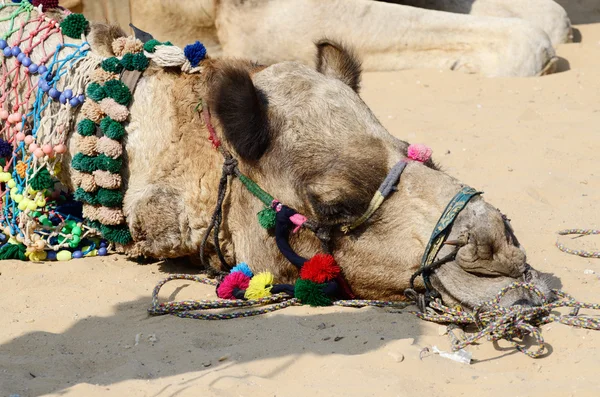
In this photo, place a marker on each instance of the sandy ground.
(531, 144)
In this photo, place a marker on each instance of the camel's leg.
(545, 14)
(386, 36)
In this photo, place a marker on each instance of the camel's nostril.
(523, 302)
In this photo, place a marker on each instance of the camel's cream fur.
(326, 156)
(492, 37)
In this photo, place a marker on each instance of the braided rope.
(580, 232)
(497, 322)
(185, 308)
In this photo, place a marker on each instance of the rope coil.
(184, 308)
(580, 233)
(498, 322)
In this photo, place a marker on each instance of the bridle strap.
(439, 235)
(229, 169)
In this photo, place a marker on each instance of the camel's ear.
(242, 112)
(336, 61)
(101, 37)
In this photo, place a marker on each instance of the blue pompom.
(243, 267)
(195, 53)
(6, 148)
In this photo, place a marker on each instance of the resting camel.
(491, 37)
(304, 135)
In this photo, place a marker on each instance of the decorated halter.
(320, 279)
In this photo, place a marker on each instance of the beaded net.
(43, 82)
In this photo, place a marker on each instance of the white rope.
(171, 56)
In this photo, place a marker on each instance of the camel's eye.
(337, 211)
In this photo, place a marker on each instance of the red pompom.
(232, 281)
(46, 4)
(320, 268)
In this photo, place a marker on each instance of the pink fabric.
(298, 220)
(230, 282)
(419, 152)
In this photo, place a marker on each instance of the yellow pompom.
(260, 286)
(38, 256)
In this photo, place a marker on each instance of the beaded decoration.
(37, 216)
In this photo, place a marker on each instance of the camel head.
(309, 140)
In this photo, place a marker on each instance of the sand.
(532, 145)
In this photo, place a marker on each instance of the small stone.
(223, 358)
(321, 326)
(338, 338)
(206, 365)
(397, 357)
(152, 338)
(588, 271)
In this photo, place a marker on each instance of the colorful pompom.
(109, 198)
(74, 25)
(96, 92)
(85, 197)
(419, 152)
(86, 127)
(46, 4)
(320, 268)
(135, 62)
(6, 148)
(13, 251)
(260, 286)
(41, 180)
(84, 163)
(232, 281)
(112, 65)
(118, 234)
(195, 53)
(118, 91)
(311, 293)
(105, 163)
(150, 45)
(243, 268)
(112, 129)
(266, 218)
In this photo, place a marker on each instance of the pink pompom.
(39, 153)
(33, 147)
(60, 148)
(28, 140)
(419, 152)
(232, 281)
(21, 136)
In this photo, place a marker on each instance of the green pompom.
(106, 163)
(112, 65)
(266, 218)
(74, 25)
(13, 251)
(42, 180)
(112, 129)
(86, 127)
(135, 62)
(118, 91)
(150, 45)
(85, 197)
(311, 293)
(96, 92)
(110, 198)
(84, 163)
(119, 234)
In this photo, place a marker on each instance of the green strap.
(256, 190)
